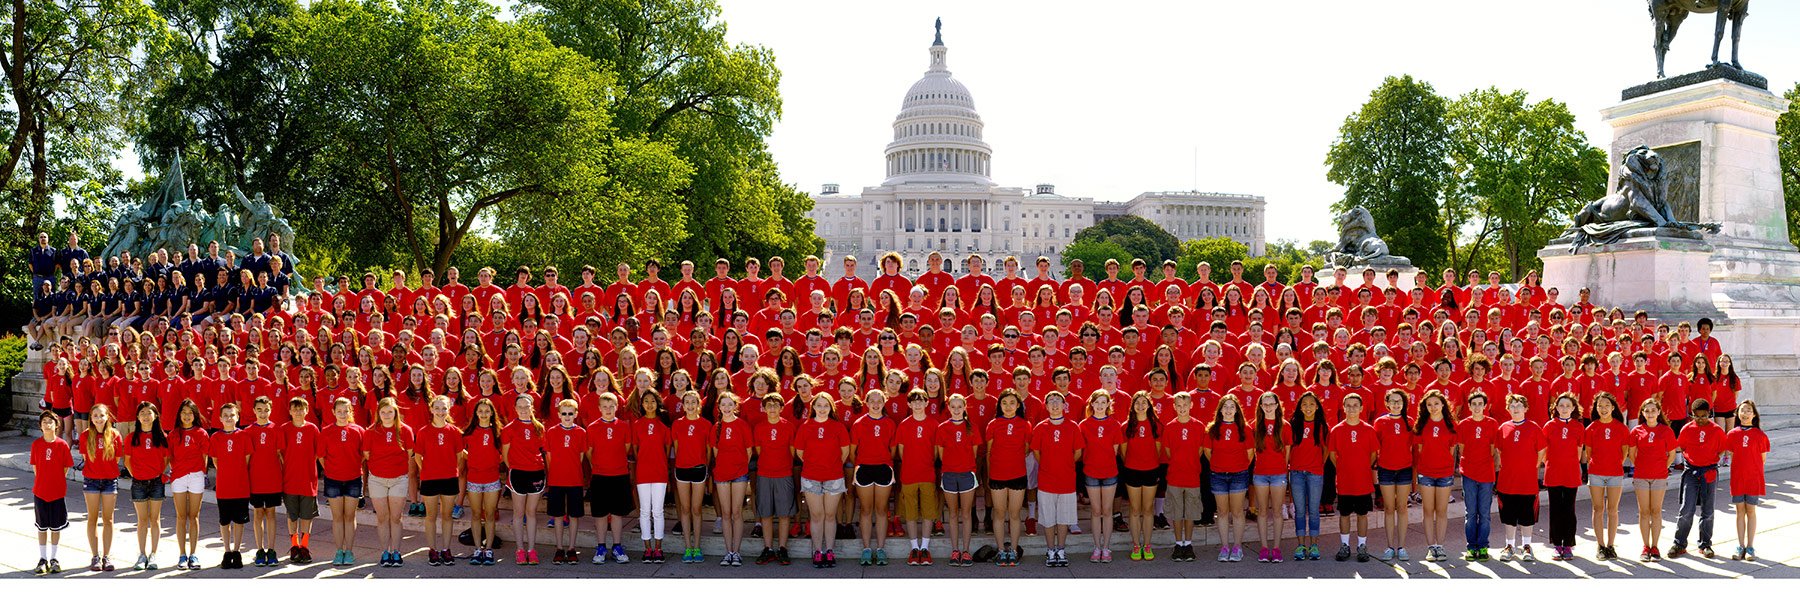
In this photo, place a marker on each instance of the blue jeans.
(1306, 487)
(1696, 497)
(1478, 503)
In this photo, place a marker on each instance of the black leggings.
(1562, 516)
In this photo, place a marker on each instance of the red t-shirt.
(148, 460)
(1747, 446)
(1008, 441)
(1396, 442)
(524, 445)
(1606, 448)
(1269, 458)
(563, 447)
(230, 452)
(917, 439)
(1519, 444)
(343, 452)
(731, 439)
(267, 472)
(1564, 439)
(1230, 450)
(650, 440)
(483, 459)
(693, 440)
(774, 448)
(1056, 445)
(439, 447)
(187, 451)
(821, 445)
(100, 466)
(1354, 447)
(1100, 439)
(1701, 444)
(1650, 451)
(300, 460)
(1141, 452)
(1308, 453)
(959, 441)
(389, 449)
(1477, 441)
(1436, 452)
(50, 461)
(1185, 442)
(608, 444)
(874, 440)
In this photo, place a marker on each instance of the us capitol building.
(939, 195)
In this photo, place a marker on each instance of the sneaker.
(1161, 522)
(1312, 552)
(431, 557)
(618, 553)
(1224, 554)
(519, 558)
(1705, 551)
(737, 560)
(1031, 526)
(781, 556)
(141, 562)
(1075, 528)
(1237, 554)
(304, 558)
(1387, 554)
(1527, 556)
(1400, 554)
(912, 558)
(56, 566)
(819, 559)
(1507, 555)
(1050, 558)
(924, 556)
(881, 558)
(456, 512)
(1749, 555)
(1105, 556)
(1676, 552)
(1472, 555)
(867, 558)
(1136, 555)
(1343, 553)
(400, 560)
(767, 555)
(43, 566)
(1300, 553)
(1362, 553)
(1149, 554)
(1275, 554)
(558, 557)
(599, 555)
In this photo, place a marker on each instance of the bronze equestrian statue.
(1668, 15)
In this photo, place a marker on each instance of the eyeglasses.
(566, 414)
(1012, 335)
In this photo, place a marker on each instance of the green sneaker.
(867, 558)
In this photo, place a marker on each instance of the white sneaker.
(1387, 554)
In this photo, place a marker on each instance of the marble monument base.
(1664, 276)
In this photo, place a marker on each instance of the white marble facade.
(939, 195)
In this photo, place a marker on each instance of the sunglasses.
(567, 414)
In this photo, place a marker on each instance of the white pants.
(650, 509)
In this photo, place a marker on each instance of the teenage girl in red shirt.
(1008, 437)
(481, 474)
(872, 452)
(1143, 453)
(1604, 453)
(1434, 443)
(1394, 472)
(956, 443)
(1270, 477)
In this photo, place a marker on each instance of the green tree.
(1391, 156)
(1521, 171)
(681, 82)
(1138, 236)
(1787, 127)
(1217, 251)
(1093, 256)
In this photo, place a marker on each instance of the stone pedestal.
(1663, 276)
(27, 389)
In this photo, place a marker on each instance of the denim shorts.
(1402, 476)
(1099, 482)
(1230, 482)
(1598, 480)
(101, 486)
(831, 487)
(334, 489)
(1269, 480)
(1750, 499)
(1432, 481)
(150, 489)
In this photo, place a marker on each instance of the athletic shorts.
(150, 489)
(334, 488)
(1518, 510)
(873, 475)
(1597, 480)
(610, 495)
(81, 416)
(234, 511)
(1226, 483)
(380, 487)
(265, 500)
(493, 487)
(1430, 481)
(193, 482)
(444, 487)
(691, 475)
(1268, 480)
(563, 501)
(1140, 478)
(1398, 477)
(1057, 509)
(1012, 484)
(1749, 499)
(1651, 484)
(918, 501)
(62, 412)
(958, 482)
(1183, 504)
(525, 482)
(774, 497)
(52, 514)
(1354, 505)
(300, 507)
(830, 487)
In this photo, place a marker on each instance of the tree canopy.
(1787, 128)
(1391, 156)
(1137, 236)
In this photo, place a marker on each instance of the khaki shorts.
(1057, 509)
(918, 501)
(388, 487)
(1182, 504)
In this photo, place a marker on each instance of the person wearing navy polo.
(42, 261)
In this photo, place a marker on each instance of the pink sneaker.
(532, 556)
(1094, 557)
(1106, 556)
(519, 558)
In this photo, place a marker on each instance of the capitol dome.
(937, 135)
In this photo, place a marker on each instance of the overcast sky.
(1111, 99)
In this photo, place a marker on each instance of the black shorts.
(525, 482)
(610, 495)
(444, 487)
(234, 511)
(691, 474)
(1016, 484)
(873, 475)
(52, 514)
(81, 416)
(265, 500)
(1355, 505)
(63, 412)
(1140, 478)
(1518, 510)
(563, 501)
